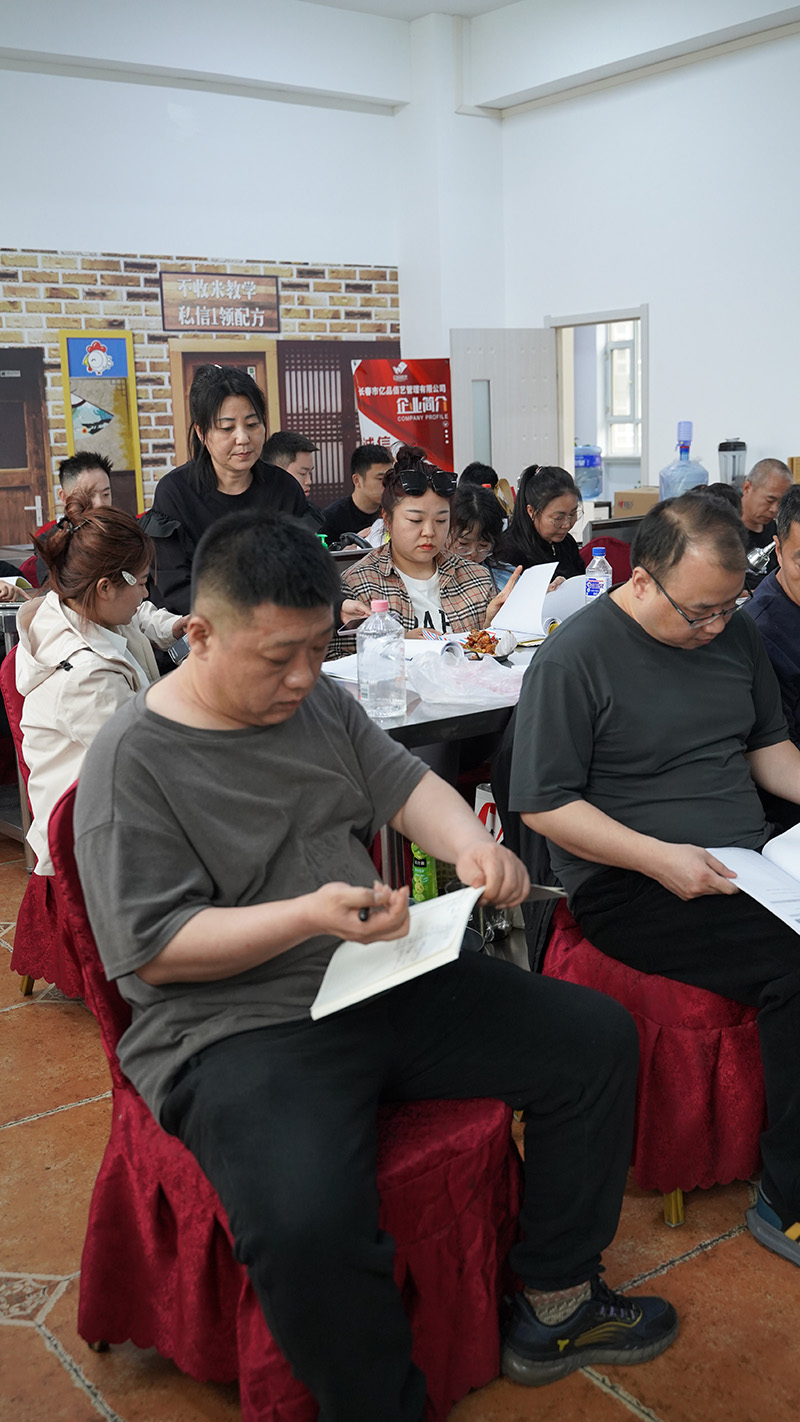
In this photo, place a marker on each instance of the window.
(619, 346)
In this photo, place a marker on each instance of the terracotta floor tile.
(736, 1358)
(139, 1384)
(11, 851)
(13, 878)
(10, 994)
(50, 1054)
(34, 1386)
(47, 1170)
(576, 1399)
(643, 1241)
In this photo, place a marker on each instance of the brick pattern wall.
(44, 292)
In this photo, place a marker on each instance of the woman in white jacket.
(84, 647)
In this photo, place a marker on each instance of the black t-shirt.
(181, 513)
(653, 735)
(760, 540)
(344, 516)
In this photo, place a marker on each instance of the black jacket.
(532, 551)
(181, 514)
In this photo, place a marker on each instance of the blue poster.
(88, 356)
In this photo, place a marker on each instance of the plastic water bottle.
(598, 575)
(381, 653)
(683, 473)
(589, 470)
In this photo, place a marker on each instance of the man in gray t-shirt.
(222, 829)
(645, 724)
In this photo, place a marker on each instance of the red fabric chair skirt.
(700, 1106)
(42, 941)
(158, 1267)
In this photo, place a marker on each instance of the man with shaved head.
(762, 491)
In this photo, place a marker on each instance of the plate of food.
(485, 643)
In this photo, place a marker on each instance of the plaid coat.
(465, 590)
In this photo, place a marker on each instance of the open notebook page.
(764, 882)
(360, 970)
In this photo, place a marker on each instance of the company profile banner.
(406, 402)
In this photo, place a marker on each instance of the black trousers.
(283, 1122)
(731, 945)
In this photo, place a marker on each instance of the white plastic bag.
(460, 682)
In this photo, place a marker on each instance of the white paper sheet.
(569, 598)
(764, 882)
(521, 612)
(784, 850)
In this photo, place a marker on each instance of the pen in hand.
(363, 914)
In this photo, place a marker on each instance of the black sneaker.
(766, 1225)
(609, 1329)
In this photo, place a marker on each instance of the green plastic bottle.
(423, 876)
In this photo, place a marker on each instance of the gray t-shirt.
(170, 820)
(655, 736)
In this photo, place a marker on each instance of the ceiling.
(415, 9)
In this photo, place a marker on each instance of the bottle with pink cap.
(380, 649)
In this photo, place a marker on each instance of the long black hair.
(538, 486)
(212, 385)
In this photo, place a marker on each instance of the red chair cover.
(29, 570)
(157, 1262)
(700, 1106)
(618, 554)
(42, 946)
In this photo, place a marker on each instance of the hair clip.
(129, 578)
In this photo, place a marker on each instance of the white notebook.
(772, 877)
(361, 970)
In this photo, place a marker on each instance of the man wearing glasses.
(644, 726)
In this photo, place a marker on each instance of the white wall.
(282, 42)
(101, 166)
(536, 48)
(448, 200)
(700, 222)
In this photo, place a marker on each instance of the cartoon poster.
(406, 402)
(100, 400)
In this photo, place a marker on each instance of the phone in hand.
(349, 629)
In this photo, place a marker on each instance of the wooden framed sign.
(191, 301)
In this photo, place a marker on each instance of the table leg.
(392, 857)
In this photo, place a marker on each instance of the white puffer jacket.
(74, 677)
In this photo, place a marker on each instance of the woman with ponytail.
(546, 508)
(84, 647)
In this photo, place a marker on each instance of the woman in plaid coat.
(426, 587)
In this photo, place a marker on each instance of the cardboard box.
(632, 503)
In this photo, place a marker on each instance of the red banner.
(406, 402)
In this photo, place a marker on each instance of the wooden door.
(318, 400)
(253, 362)
(24, 475)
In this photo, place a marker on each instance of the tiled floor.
(736, 1359)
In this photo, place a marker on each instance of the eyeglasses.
(724, 612)
(562, 520)
(417, 480)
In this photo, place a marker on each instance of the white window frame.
(607, 420)
(566, 420)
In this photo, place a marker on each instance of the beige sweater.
(65, 707)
